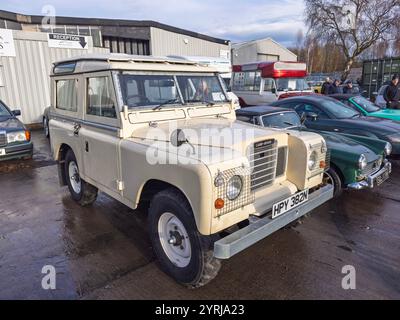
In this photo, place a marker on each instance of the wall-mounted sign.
(7, 48)
(67, 41)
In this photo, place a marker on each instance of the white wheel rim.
(174, 240)
(74, 177)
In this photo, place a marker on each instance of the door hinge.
(120, 185)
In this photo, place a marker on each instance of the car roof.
(316, 98)
(118, 61)
(260, 110)
(344, 95)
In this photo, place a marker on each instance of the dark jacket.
(347, 90)
(326, 88)
(392, 96)
(335, 89)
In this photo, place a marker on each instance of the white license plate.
(292, 202)
(2, 152)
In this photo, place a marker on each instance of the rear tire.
(182, 252)
(81, 191)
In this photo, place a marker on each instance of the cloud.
(238, 20)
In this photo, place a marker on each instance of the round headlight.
(388, 149)
(312, 161)
(234, 187)
(362, 162)
(219, 181)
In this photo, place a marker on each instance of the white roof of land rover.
(117, 61)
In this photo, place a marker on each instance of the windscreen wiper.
(165, 103)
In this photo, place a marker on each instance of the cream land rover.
(160, 134)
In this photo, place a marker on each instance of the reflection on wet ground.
(103, 252)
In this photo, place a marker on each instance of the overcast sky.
(236, 20)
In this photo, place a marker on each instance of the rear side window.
(100, 97)
(67, 97)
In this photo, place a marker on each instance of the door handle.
(336, 130)
(77, 127)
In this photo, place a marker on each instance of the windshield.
(291, 84)
(339, 110)
(366, 104)
(282, 120)
(3, 111)
(153, 90)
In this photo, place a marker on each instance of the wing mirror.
(16, 113)
(178, 138)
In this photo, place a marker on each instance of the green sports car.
(356, 162)
(366, 107)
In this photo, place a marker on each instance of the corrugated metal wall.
(24, 82)
(164, 43)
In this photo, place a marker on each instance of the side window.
(268, 84)
(249, 80)
(238, 81)
(305, 107)
(66, 95)
(350, 105)
(257, 81)
(100, 98)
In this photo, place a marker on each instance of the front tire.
(81, 191)
(182, 252)
(332, 177)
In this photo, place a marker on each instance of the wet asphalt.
(103, 252)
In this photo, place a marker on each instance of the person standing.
(392, 93)
(326, 86)
(336, 87)
(349, 89)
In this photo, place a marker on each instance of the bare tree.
(353, 25)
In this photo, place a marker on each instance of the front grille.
(372, 167)
(246, 197)
(263, 163)
(321, 157)
(281, 163)
(3, 139)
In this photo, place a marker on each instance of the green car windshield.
(284, 120)
(367, 105)
(339, 110)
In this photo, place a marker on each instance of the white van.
(265, 82)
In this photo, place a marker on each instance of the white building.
(260, 50)
(30, 48)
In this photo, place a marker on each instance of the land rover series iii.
(160, 134)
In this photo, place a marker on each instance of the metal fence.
(378, 72)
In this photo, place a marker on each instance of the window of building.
(66, 95)
(100, 100)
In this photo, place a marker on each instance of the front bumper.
(372, 180)
(17, 151)
(263, 227)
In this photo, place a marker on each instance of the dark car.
(328, 114)
(15, 138)
(356, 162)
